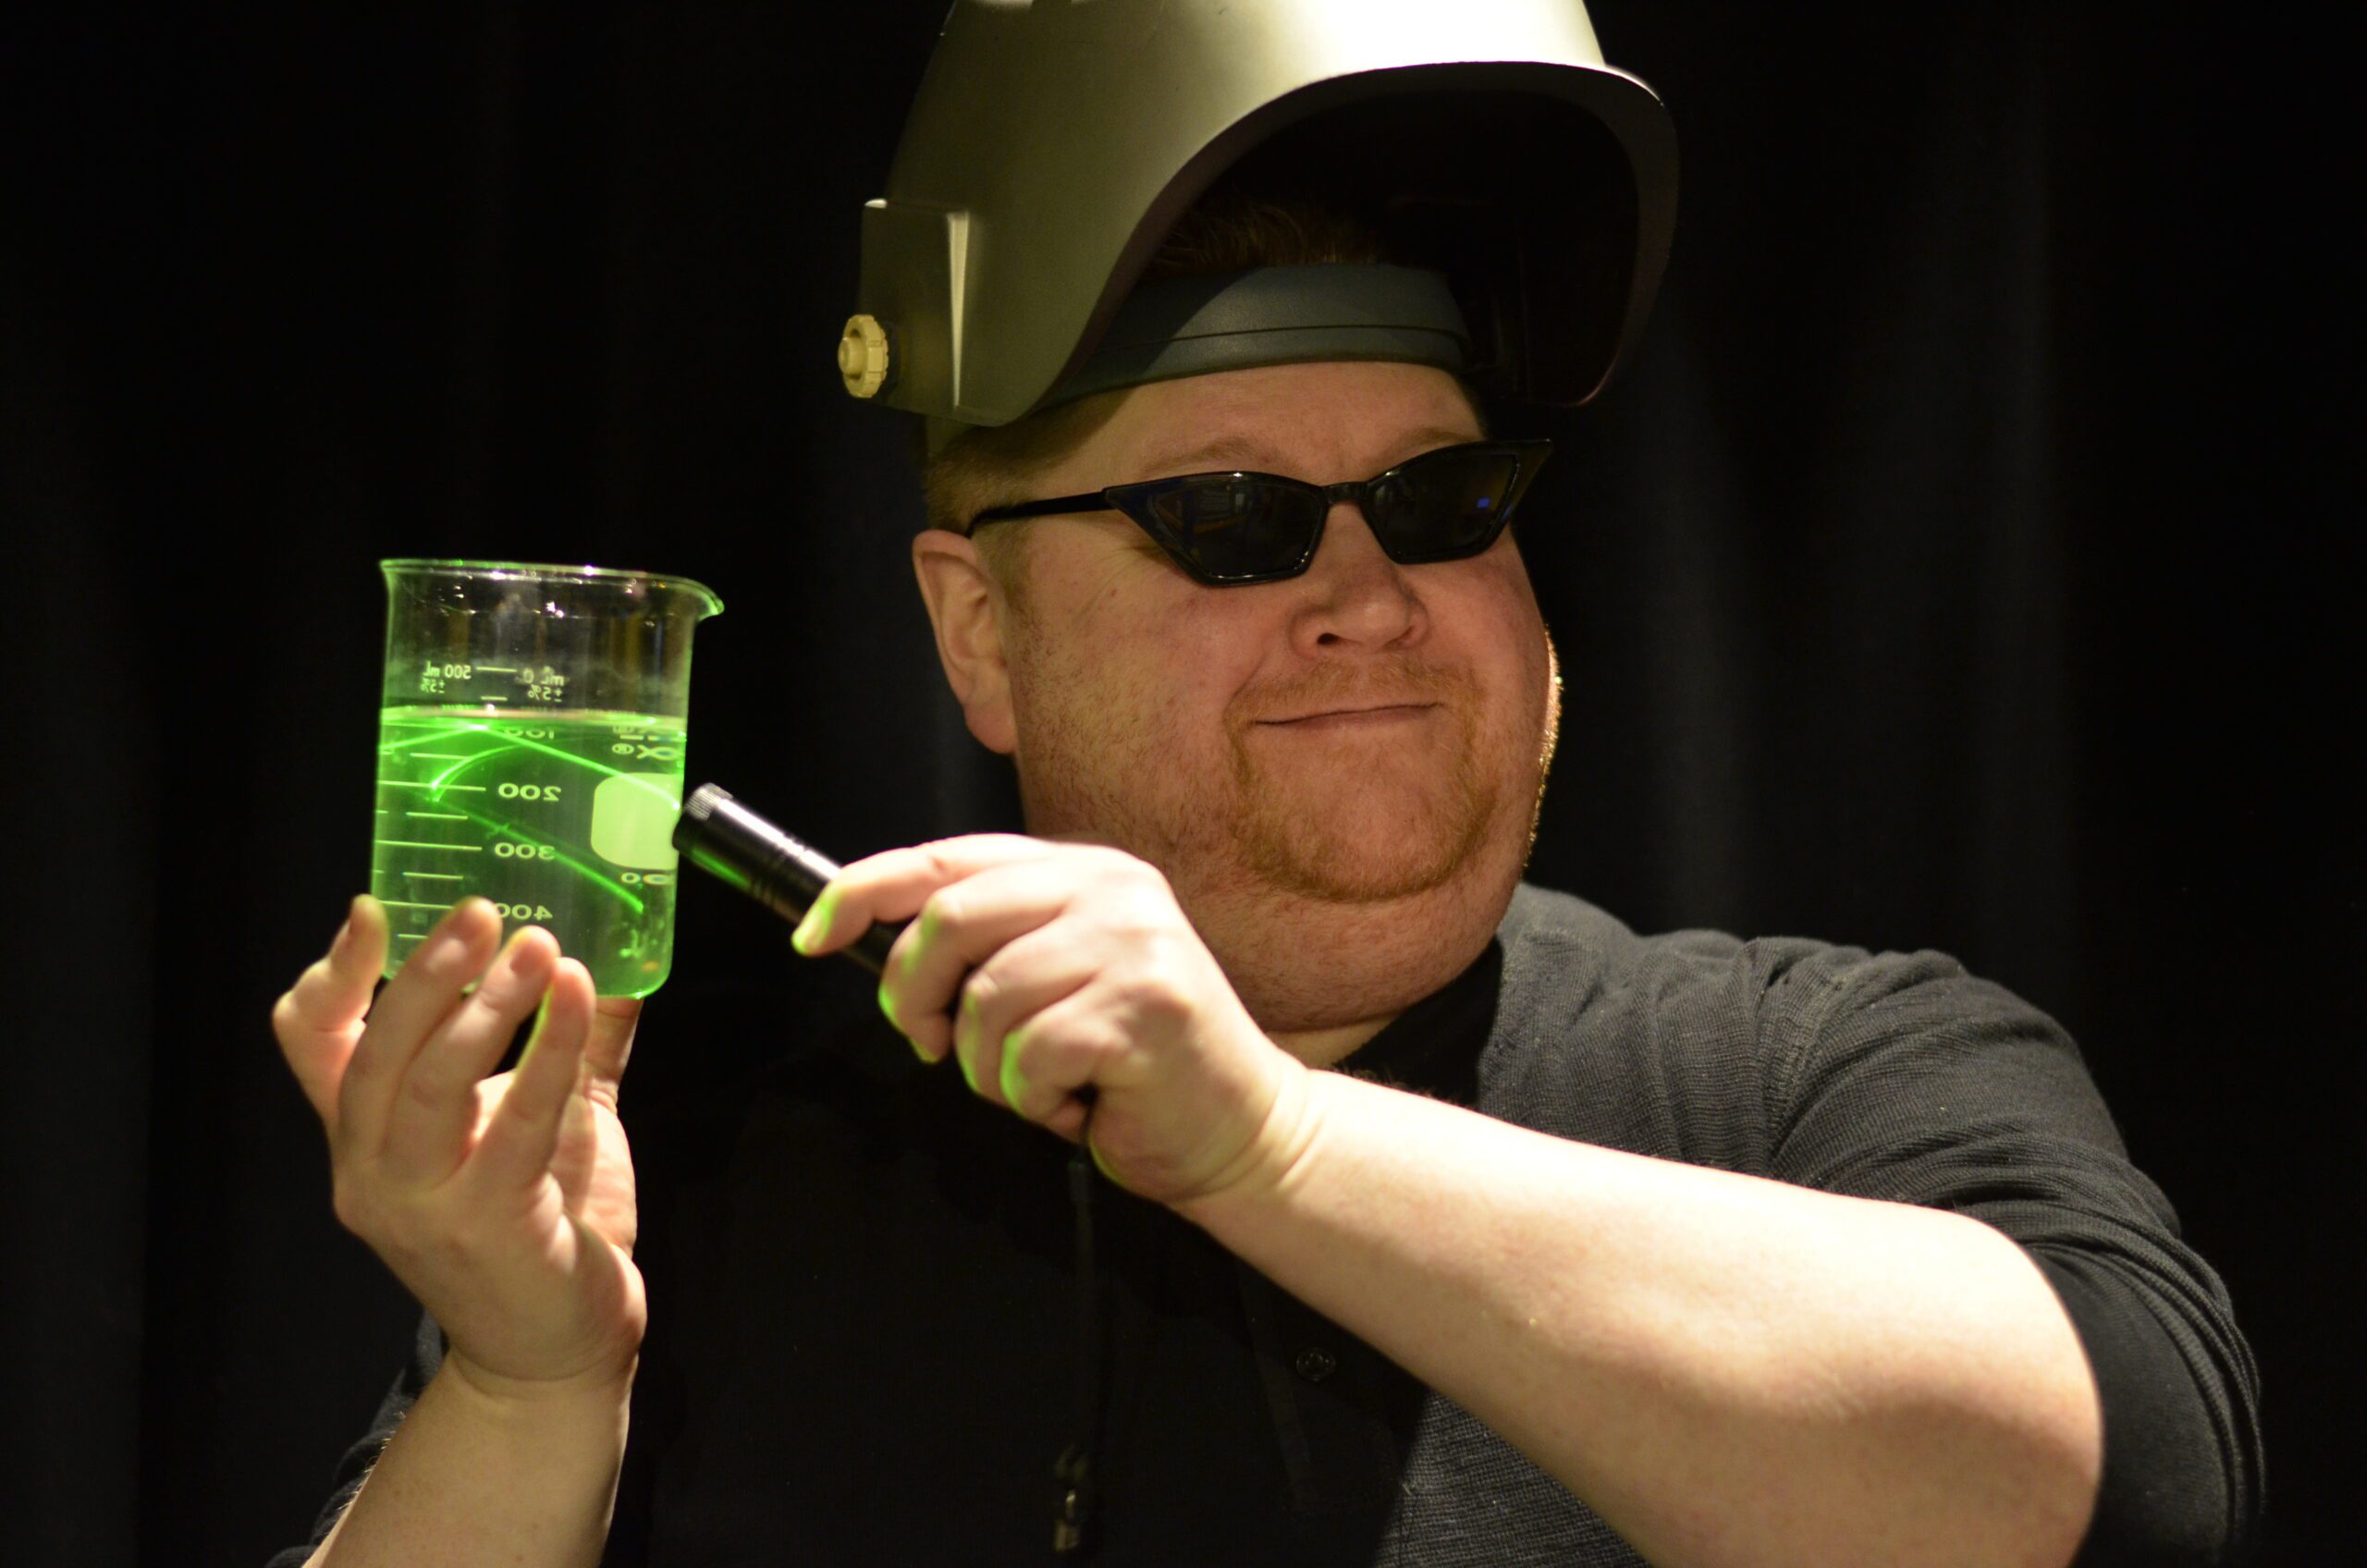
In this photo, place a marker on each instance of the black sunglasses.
(1227, 529)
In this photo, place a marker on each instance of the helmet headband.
(1203, 322)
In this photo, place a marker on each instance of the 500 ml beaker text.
(531, 752)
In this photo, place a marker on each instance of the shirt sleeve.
(426, 1355)
(1900, 1077)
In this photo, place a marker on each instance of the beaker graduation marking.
(559, 856)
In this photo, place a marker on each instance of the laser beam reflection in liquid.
(563, 820)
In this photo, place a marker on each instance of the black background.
(1959, 564)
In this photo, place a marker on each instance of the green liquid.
(564, 820)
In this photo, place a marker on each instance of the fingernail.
(807, 930)
(446, 952)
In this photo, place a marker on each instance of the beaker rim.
(453, 566)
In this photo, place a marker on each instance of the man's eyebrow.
(1250, 452)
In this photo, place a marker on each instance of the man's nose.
(1359, 592)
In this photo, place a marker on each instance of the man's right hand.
(504, 1204)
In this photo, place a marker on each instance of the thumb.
(609, 1045)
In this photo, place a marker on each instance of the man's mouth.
(1350, 719)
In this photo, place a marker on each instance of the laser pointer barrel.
(726, 839)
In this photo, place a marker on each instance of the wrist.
(571, 1397)
(1275, 1159)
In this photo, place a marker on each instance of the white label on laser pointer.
(632, 820)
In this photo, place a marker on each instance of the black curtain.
(1958, 565)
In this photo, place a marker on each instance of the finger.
(434, 1112)
(516, 1148)
(960, 926)
(1068, 1119)
(1016, 985)
(334, 993)
(894, 885)
(609, 1046)
(317, 1019)
(1054, 1052)
(409, 1008)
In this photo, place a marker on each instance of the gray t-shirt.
(1893, 1076)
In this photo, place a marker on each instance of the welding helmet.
(1528, 188)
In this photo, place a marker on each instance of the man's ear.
(966, 609)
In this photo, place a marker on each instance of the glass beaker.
(530, 750)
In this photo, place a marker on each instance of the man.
(1552, 1242)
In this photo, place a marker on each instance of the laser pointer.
(726, 839)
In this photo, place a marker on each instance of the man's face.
(1170, 719)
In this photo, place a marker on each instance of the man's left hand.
(1046, 967)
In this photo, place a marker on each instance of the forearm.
(470, 1477)
(1729, 1370)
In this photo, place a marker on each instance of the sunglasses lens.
(1238, 526)
(1446, 504)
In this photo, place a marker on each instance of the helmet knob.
(862, 356)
